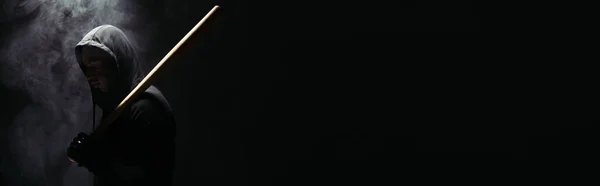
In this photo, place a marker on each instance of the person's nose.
(92, 68)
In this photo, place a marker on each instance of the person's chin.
(101, 89)
(99, 92)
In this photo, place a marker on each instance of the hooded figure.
(138, 148)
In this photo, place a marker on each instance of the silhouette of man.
(138, 148)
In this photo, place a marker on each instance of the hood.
(113, 41)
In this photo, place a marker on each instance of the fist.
(77, 148)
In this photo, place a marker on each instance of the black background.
(274, 93)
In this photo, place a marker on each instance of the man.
(138, 148)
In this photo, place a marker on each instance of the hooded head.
(108, 60)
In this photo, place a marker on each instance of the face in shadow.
(99, 68)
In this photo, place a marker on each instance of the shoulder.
(145, 104)
(155, 94)
(150, 106)
(147, 116)
(145, 108)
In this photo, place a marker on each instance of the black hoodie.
(139, 147)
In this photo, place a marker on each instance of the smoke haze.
(37, 60)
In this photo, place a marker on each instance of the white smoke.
(37, 58)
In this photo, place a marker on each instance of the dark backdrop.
(274, 93)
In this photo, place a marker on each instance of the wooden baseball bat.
(146, 82)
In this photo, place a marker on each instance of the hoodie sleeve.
(149, 146)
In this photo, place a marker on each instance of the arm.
(142, 152)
